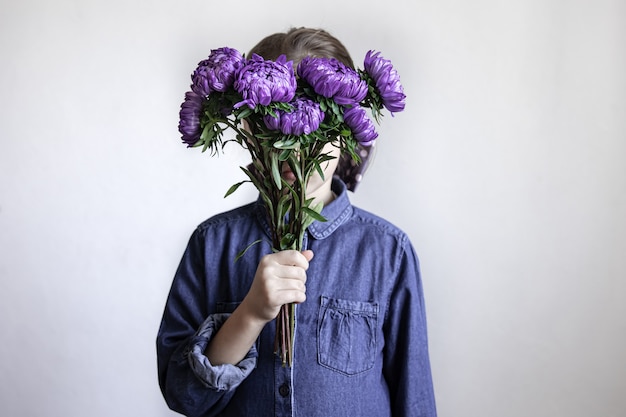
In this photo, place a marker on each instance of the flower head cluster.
(361, 125)
(305, 118)
(190, 112)
(217, 72)
(327, 99)
(262, 82)
(387, 81)
(332, 79)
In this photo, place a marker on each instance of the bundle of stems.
(289, 211)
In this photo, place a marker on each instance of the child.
(360, 339)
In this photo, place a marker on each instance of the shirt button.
(283, 390)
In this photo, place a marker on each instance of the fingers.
(292, 291)
(293, 258)
(280, 279)
(289, 265)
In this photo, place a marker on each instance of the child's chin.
(289, 176)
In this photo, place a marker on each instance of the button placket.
(283, 390)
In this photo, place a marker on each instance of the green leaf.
(234, 188)
(295, 167)
(288, 241)
(335, 107)
(294, 195)
(253, 178)
(284, 204)
(246, 112)
(243, 252)
(319, 170)
(284, 155)
(314, 214)
(207, 133)
(276, 171)
(286, 143)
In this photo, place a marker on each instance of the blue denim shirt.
(360, 346)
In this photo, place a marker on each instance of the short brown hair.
(300, 42)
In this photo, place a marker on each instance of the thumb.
(308, 254)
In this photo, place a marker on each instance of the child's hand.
(280, 279)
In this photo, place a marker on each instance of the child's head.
(298, 43)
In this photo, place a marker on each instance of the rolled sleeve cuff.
(218, 377)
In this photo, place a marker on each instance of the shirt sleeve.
(406, 364)
(221, 377)
(190, 384)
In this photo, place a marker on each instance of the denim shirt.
(360, 346)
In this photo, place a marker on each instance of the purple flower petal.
(361, 125)
(332, 79)
(190, 112)
(263, 82)
(304, 119)
(217, 72)
(387, 81)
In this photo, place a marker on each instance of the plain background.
(507, 170)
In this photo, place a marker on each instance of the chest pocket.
(346, 335)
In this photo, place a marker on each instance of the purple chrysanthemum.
(263, 82)
(217, 72)
(190, 112)
(304, 119)
(332, 79)
(387, 81)
(361, 125)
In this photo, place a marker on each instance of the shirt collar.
(336, 213)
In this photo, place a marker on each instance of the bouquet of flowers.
(285, 117)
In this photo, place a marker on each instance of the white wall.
(507, 170)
